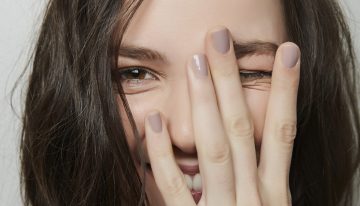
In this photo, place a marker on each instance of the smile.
(192, 177)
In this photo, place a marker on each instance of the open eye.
(134, 74)
(135, 79)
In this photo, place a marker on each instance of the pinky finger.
(167, 174)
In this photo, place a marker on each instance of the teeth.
(188, 181)
(197, 186)
(193, 182)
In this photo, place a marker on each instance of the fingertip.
(290, 55)
(286, 69)
(155, 121)
(157, 138)
(213, 30)
(290, 43)
(219, 40)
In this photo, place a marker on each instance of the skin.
(213, 121)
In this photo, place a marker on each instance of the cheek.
(256, 100)
(139, 108)
(257, 103)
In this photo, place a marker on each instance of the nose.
(180, 120)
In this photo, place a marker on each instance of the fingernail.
(220, 40)
(155, 122)
(199, 65)
(290, 55)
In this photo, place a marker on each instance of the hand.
(224, 134)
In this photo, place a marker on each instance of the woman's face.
(176, 30)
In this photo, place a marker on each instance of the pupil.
(136, 74)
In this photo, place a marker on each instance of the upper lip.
(190, 169)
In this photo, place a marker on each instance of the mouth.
(192, 177)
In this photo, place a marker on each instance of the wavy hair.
(73, 145)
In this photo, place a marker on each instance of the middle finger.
(235, 114)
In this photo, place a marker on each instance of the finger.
(280, 125)
(167, 174)
(236, 117)
(212, 145)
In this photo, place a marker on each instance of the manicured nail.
(290, 55)
(155, 122)
(220, 40)
(199, 65)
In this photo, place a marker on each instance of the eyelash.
(140, 69)
(255, 74)
(129, 70)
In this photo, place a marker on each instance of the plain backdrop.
(19, 24)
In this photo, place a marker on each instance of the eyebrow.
(241, 49)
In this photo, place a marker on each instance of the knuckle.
(286, 131)
(240, 127)
(219, 153)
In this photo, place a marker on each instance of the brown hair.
(73, 146)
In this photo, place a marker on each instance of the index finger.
(167, 174)
(235, 113)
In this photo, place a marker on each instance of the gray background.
(19, 23)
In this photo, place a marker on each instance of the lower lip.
(196, 194)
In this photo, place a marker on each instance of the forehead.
(179, 26)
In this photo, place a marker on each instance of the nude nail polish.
(220, 40)
(290, 55)
(155, 122)
(199, 65)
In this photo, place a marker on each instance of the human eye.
(250, 76)
(135, 78)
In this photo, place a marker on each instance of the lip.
(196, 196)
(190, 169)
(186, 169)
